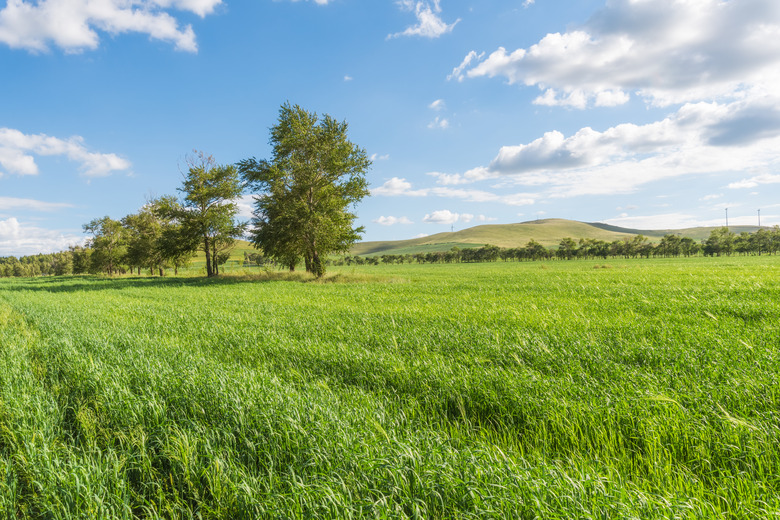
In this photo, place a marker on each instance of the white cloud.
(712, 196)
(457, 72)
(17, 239)
(377, 157)
(441, 123)
(448, 217)
(699, 138)
(245, 205)
(73, 25)
(17, 151)
(421, 235)
(667, 51)
(391, 221)
(443, 216)
(437, 105)
(398, 186)
(429, 23)
(14, 204)
(756, 181)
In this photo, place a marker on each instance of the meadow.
(579, 389)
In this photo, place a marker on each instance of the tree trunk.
(207, 251)
(317, 268)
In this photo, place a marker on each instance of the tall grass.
(645, 390)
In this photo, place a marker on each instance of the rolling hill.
(547, 232)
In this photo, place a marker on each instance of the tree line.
(145, 249)
(303, 200)
(721, 242)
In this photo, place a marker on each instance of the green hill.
(547, 232)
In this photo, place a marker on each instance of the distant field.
(626, 389)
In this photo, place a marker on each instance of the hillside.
(547, 232)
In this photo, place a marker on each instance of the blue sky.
(640, 113)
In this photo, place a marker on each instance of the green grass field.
(637, 389)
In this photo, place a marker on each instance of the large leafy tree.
(306, 191)
(207, 213)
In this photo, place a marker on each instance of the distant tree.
(142, 231)
(305, 192)
(63, 263)
(567, 248)
(720, 241)
(107, 243)
(81, 259)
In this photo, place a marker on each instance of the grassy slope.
(548, 232)
(509, 390)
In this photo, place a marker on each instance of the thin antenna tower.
(759, 218)
(727, 217)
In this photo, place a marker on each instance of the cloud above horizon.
(74, 25)
(17, 151)
(699, 138)
(19, 239)
(665, 51)
(429, 22)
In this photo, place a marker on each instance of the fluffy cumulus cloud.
(17, 151)
(698, 138)
(443, 216)
(666, 51)
(429, 22)
(74, 25)
(391, 221)
(19, 239)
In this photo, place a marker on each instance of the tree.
(207, 214)
(305, 192)
(720, 241)
(107, 243)
(155, 238)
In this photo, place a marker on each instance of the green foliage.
(108, 244)
(207, 214)
(306, 190)
(503, 390)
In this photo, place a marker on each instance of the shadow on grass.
(77, 283)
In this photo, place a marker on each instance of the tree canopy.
(305, 192)
(207, 214)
